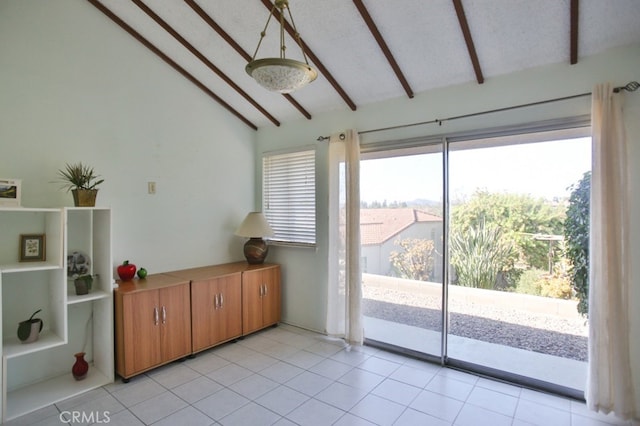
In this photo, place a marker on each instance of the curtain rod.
(630, 87)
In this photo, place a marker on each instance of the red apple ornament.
(126, 271)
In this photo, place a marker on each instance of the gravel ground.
(546, 334)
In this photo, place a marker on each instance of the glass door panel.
(512, 308)
(401, 224)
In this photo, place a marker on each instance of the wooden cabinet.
(216, 310)
(152, 323)
(260, 297)
(171, 315)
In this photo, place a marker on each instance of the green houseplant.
(82, 181)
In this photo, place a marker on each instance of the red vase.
(81, 367)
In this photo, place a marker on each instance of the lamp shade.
(254, 225)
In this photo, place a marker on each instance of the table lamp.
(254, 227)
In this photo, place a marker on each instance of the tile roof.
(380, 225)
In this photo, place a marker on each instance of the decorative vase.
(84, 197)
(81, 367)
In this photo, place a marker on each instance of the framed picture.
(10, 192)
(33, 248)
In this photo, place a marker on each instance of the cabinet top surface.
(183, 276)
(154, 281)
(215, 271)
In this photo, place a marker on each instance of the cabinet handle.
(164, 315)
(215, 301)
(155, 316)
(265, 289)
(261, 290)
(221, 300)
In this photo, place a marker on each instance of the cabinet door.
(204, 301)
(252, 289)
(216, 310)
(141, 324)
(229, 314)
(175, 321)
(271, 296)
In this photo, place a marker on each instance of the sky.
(543, 169)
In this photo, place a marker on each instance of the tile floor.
(288, 376)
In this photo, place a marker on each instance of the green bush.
(576, 234)
(530, 282)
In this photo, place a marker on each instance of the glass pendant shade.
(281, 75)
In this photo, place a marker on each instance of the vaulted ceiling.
(367, 50)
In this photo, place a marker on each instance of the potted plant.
(83, 284)
(82, 181)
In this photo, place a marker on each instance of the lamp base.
(256, 250)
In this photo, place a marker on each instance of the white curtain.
(610, 379)
(344, 312)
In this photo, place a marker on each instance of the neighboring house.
(381, 228)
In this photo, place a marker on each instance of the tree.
(520, 217)
(576, 234)
(415, 260)
(479, 254)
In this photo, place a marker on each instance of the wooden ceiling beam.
(169, 61)
(146, 9)
(573, 31)
(464, 26)
(383, 46)
(222, 33)
(312, 56)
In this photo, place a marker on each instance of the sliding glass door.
(488, 217)
(402, 229)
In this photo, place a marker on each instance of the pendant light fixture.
(280, 74)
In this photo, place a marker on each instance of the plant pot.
(84, 197)
(82, 285)
(29, 330)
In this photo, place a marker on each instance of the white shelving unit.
(37, 374)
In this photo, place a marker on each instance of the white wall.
(305, 275)
(75, 87)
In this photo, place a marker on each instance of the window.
(289, 196)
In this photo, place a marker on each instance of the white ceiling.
(424, 36)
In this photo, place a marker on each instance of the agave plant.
(79, 176)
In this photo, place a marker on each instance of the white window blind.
(289, 196)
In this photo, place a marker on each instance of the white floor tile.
(281, 372)
(413, 376)
(315, 413)
(350, 420)
(253, 386)
(361, 379)
(187, 416)
(342, 396)
(282, 400)
(494, 401)
(331, 369)
(139, 389)
(379, 366)
(229, 374)
(395, 391)
(173, 375)
(449, 387)
(250, 414)
(471, 415)
(437, 405)
(378, 410)
(221, 404)
(197, 389)
(308, 383)
(304, 359)
(412, 417)
(158, 407)
(541, 414)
